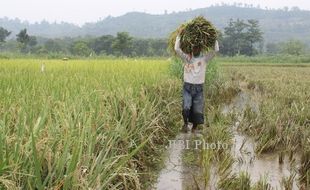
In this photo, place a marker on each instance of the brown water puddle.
(265, 166)
(177, 176)
(174, 172)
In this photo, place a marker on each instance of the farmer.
(194, 77)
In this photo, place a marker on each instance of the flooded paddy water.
(273, 167)
(176, 175)
(171, 177)
(267, 166)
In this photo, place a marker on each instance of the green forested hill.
(277, 25)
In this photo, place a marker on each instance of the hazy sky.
(81, 11)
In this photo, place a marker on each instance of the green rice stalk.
(199, 33)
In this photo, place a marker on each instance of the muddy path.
(171, 177)
(273, 167)
(176, 175)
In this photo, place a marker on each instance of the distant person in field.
(195, 65)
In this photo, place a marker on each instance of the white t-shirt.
(195, 67)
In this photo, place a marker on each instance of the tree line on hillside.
(239, 37)
(278, 24)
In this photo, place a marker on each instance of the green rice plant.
(84, 124)
(240, 182)
(198, 33)
(262, 184)
(304, 170)
(279, 60)
(281, 122)
(172, 39)
(212, 74)
(283, 114)
(176, 68)
(288, 182)
(206, 163)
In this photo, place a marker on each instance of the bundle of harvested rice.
(198, 33)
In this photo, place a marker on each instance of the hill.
(277, 25)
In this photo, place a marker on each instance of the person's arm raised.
(212, 53)
(179, 51)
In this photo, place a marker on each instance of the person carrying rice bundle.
(196, 45)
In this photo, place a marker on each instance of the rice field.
(103, 124)
(263, 113)
(284, 110)
(83, 124)
(282, 124)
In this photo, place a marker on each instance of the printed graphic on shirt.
(192, 67)
(188, 67)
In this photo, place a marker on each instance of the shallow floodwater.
(171, 176)
(174, 172)
(176, 176)
(264, 166)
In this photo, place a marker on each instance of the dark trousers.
(193, 103)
